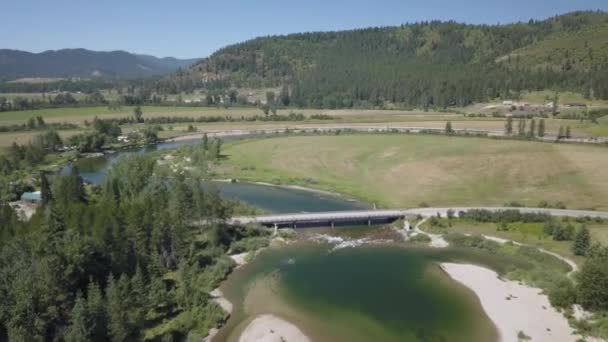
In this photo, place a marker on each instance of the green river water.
(367, 293)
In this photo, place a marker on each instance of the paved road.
(555, 212)
(425, 212)
(369, 128)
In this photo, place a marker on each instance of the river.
(369, 293)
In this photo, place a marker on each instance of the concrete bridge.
(369, 217)
(322, 219)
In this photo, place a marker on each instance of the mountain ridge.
(81, 62)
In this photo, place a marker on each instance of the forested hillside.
(423, 64)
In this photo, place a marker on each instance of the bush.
(562, 294)
(249, 244)
(507, 216)
(420, 238)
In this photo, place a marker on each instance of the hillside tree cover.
(426, 64)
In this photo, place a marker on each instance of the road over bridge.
(369, 217)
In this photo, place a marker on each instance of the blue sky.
(190, 28)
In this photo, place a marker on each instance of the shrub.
(562, 294)
(420, 238)
(249, 244)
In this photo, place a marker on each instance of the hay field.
(406, 170)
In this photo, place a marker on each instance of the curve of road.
(371, 128)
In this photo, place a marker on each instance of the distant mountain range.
(85, 63)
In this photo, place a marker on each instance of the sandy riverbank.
(270, 328)
(513, 307)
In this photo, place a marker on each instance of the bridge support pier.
(369, 222)
(276, 229)
(332, 224)
(295, 225)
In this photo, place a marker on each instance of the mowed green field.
(407, 170)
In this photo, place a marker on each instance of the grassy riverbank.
(410, 170)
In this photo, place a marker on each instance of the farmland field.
(23, 138)
(404, 171)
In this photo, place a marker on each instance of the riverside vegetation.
(120, 261)
(566, 236)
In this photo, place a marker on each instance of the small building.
(32, 197)
(507, 103)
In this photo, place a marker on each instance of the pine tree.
(532, 129)
(45, 189)
(568, 136)
(582, 241)
(593, 279)
(448, 128)
(157, 296)
(521, 128)
(541, 128)
(54, 227)
(138, 294)
(97, 313)
(77, 192)
(284, 96)
(138, 114)
(79, 329)
(117, 308)
(509, 126)
(218, 149)
(205, 142)
(555, 106)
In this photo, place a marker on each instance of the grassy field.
(417, 118)
(22, 138)
(404, 171)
